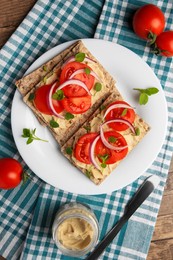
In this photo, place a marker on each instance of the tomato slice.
(76, 105)
(119, 113)
(101, 151)
(82, 148)
(41, 100)
(75, 90)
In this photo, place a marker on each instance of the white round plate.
(45, 159)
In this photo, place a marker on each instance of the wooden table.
(12, 13)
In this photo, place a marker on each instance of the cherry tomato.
(82, 148)
(76, 105)
(41, 100)
(75, 90)
(119, 113)
(164, 43)
(11, 173)
(113, 156)
(148, 18)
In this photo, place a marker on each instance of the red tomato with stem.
(76, 105)
(148, 21)
(164, 44)
(41, 100)
(120, 113)
(82, 148)
(11, 173)
(75, 90)
(112, 156)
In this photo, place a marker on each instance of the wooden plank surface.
(12, 12)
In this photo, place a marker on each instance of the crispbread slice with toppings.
(93, 125)
(36, 77)
(66, 127)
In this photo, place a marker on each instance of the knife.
(142, 193)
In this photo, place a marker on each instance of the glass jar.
(75, 229)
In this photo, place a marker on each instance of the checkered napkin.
(27, 212)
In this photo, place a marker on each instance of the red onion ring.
(91, 153)
(120, 120)
(116, 106)
(50, 102)
(72, 58)
(74, 82)
(83, 71)
(107, 144)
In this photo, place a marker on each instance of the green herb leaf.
(31, 97)
(69, 116)
(69, 150)
(144, 93)
(87, 71)
(97, 86)
(45, 68)
(137, 131)
(124, 112)
(26, 133)
(88, 174)
(58, 95)
(151, 91)
(53, 123)
(143, 99)
(80, 56)
(103, 165)
(30, 134)
(25, 177)
(103, 157)
(44, 79)
(112, 139)
(30, 140)
(87, 128)
(102, 107)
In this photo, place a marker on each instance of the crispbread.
(95, 175)
(29, 81)
(66, 128)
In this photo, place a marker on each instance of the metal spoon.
(142, 193)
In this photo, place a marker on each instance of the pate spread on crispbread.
(93, 124)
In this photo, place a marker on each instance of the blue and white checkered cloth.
(27, 212)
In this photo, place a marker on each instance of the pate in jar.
(75, 229)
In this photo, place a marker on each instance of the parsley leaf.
(69, 116)
(104, 158)
(45, 79)
(53, 123)
(69, 150)
(80, 56)
(102, 107)
(137, 131)
(145, 93)
(30, 134)
(87, 71)
(88, 174)
(97, 86)
(103, 165)
(58, 95)
(45, 68)
(112, 139)
(87, 128)
(31, 97)
(124, 112)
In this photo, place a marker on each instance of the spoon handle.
(143, 192)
